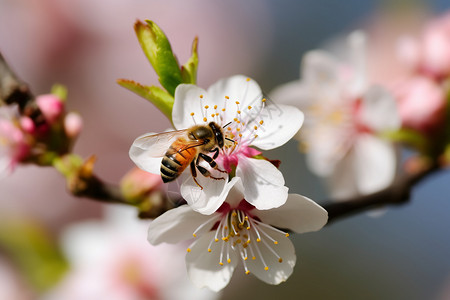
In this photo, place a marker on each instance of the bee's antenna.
(226, 124)
(234, 142)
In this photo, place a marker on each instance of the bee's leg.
(211, 161)
(194, 174)
(216, 152)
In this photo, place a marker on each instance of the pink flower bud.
(421, 104)
(51, 106)
(138, 182)
(27, 125)
(73, 123)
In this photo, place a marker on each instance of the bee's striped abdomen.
(174, 162)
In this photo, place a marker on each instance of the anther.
(205, 119)
(188, 249)
(280, 260)
(249, 107)
(237, 102)
(256, 127)
(254, 257)
(194, 235)
(239, 112)
(212, 115)
(261, 122)
(223, 109)
(192, 114)
(221, 263)
(286, 235)
(216, 240)
(258, 240)
(226, 97)
(266, 268)
(201, 96)
(275, 242)
(209, 250)
(247, 272)
(228, 260)
(206, 106)
(248, 79)
(215, 106)
(263, 100)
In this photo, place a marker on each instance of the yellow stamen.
(205, 119)
(248, 79)
(215, 106)
(226, 97)
(209, 250)
(201, 96)
(192, 114)
(188, 249)
(247, 272)
(280, 260)
(206, 106)
(266, 268)
(249, 107)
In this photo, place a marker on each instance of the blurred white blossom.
(344, 117)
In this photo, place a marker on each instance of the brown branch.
(396, 194)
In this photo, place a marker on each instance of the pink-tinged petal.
(187, 101)
(263, 183)
(379, 110)
(281, 123)
(298, 214)
(237, 88)
(277, 271)
(375, 163)
(212, 196)
(175, 225)
(203, 267)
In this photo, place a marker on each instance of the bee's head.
(218, 135)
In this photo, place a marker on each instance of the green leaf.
(157, 48)
(189, 69)
(34, 252)
(160, 98)
(59, 91)
(407, 136)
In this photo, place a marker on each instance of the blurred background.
(87, 45)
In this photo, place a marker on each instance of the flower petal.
(263, 183)
(299, 214)
(147, 154)
(188, 101)
(293, 93)
(209, 199)
(277, 271)
(375, 163)
(236, 88)
(342, 181)
(203, 266)
(379, 110)
(281, 123)
(175, 225)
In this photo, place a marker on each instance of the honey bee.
(186, 147)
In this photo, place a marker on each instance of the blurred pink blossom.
(430, 53)
(421, 104)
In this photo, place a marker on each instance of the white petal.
(212, 196)
(187, 101)
(203, 266)
(237, 88)
(327, 146)
(342, 181)
(379, 110)
(263, 183)
(277, 272)
(375, 163)
(175, 225)
(299, 214)
(281, 123)
(294, 93)
(148, 157)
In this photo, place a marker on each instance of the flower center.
(238, 231)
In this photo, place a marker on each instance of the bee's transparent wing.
(148, 149)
